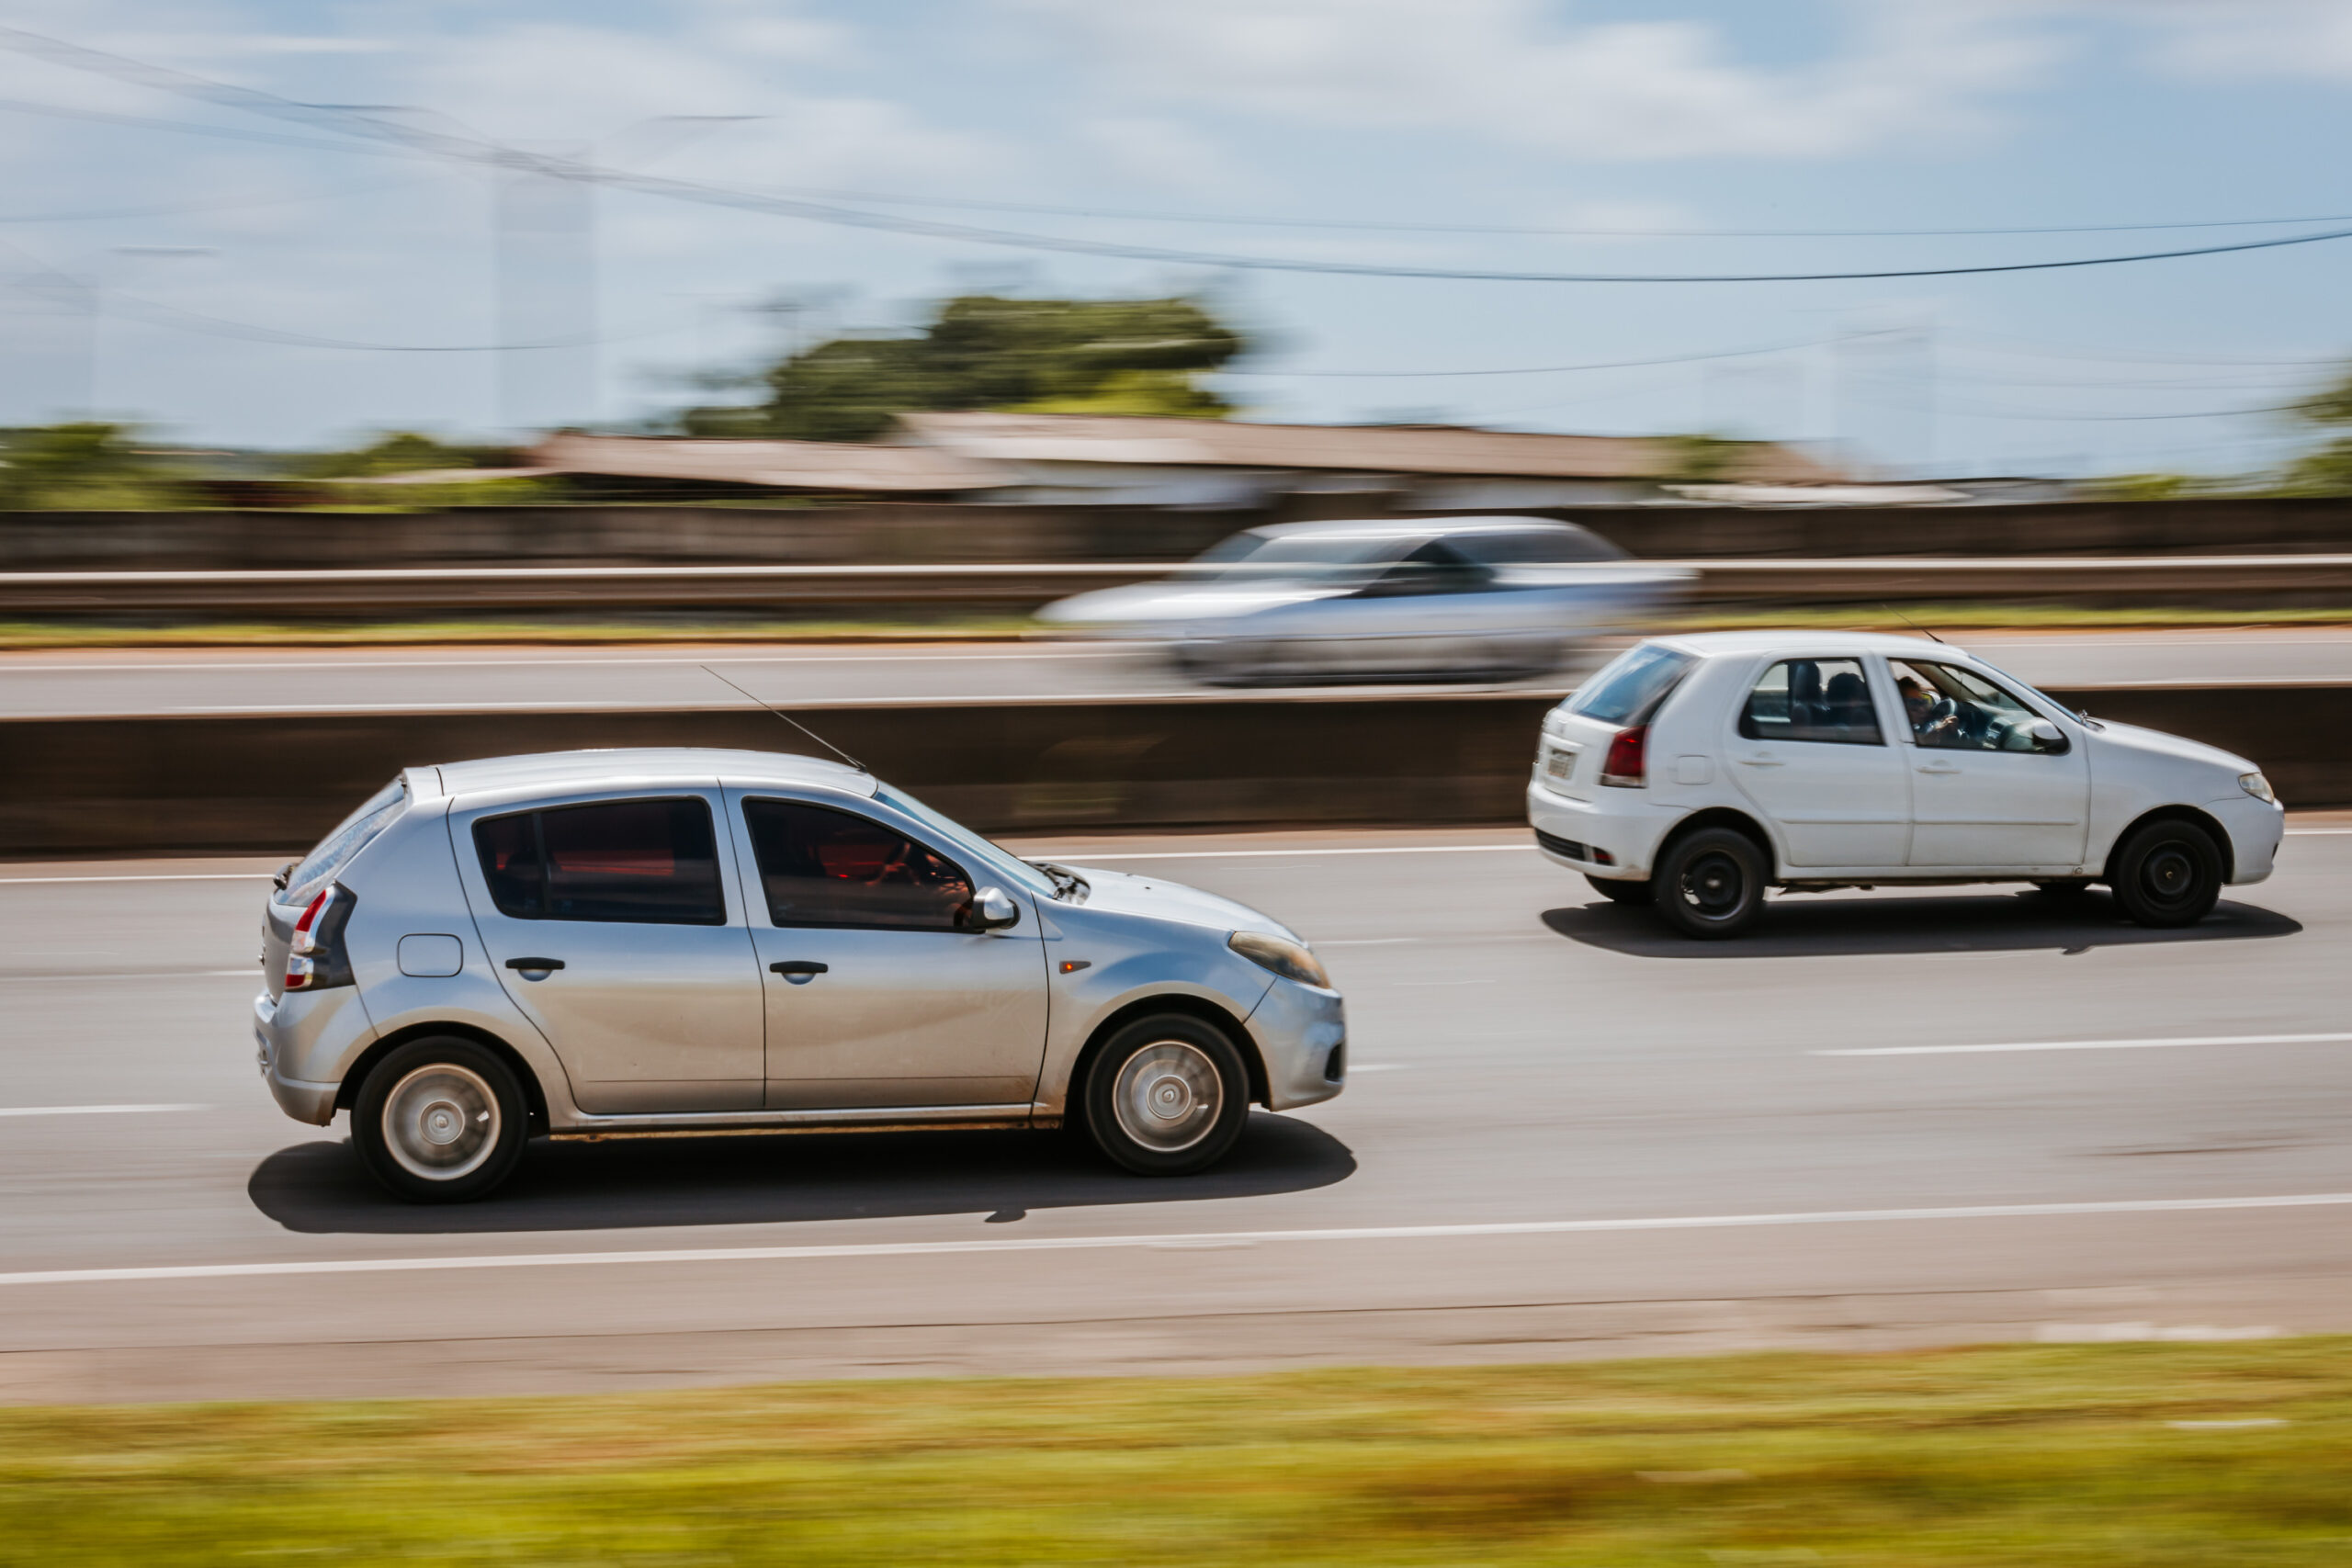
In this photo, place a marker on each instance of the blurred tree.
(985, 352)
(2148, 487)
(1701, 459)
(2328, 471)
(398, 452)
(88, 467)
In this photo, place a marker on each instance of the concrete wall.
(257, 540)
(170, 785)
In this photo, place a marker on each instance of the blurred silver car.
(1446, 599)
(605, 943)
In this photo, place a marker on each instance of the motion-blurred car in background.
(1461, 598)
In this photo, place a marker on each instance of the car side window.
(1954, 709)
(1435, 567)
(636, 861)
(820, 866)
(1821, 700)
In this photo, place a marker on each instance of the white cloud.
(2243, 39)
(1509, 73)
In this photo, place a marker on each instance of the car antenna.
(1882, 604)
(792, 721)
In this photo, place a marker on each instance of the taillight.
(1627, 765)
(314, 955)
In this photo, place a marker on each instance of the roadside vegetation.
(2080, 1456)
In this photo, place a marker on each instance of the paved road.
(1563, 1128)
(245, 681)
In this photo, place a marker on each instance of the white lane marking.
(1367, 942)
(2317, 832)
(201, 665)
(116, 976)
(93, 1110)
(1379, 1068)
(1197, 1239)
(2091, 1045)
(147, 876)
(1083, 858)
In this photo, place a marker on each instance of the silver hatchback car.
(603, 944)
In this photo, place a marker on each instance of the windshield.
(1254, 555)
(335, 852)
(1632, 684)
(995, 856)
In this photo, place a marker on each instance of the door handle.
(1760, 761)
(798, 967)
(542, 964)
(1937, 768)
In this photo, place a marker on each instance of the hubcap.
(1168, 1095)
(2168, 873)
(1714, 885)
(441, 1121)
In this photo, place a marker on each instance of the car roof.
(1412, 527)
(1798, 643)
(624, 765)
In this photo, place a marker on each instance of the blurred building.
(1097, 460)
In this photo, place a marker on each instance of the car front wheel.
(440, 1121)
(1711, 885)
(2167, 874)
(1167, 1095)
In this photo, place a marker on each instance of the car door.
(1432, 609)
(610, 923)
(1987, 792)
(1809, 749)
(877, 995)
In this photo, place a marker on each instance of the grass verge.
(2089, 1455)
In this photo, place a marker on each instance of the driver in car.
(1934, 720)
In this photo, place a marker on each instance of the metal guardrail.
(1015, 587)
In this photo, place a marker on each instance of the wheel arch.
(1074, 1093)
(1729, 816)
(534, 1096)
(2189, 814)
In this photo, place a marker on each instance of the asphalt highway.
(1890, 1120)
(196, 681)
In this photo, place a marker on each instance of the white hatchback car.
(1695, 772)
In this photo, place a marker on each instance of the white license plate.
(1558, 761)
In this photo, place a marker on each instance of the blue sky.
(218, 244)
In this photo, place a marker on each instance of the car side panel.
(407, 884)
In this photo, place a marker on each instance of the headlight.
(2258, 787)
(1291, 960)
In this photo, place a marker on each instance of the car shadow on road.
(1812, 926)
(321, 1187)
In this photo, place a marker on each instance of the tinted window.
(1632, 685)
(1434, 567)
(822, 867)
(1564, 546)
(1813, 699)
(643, 861)
(1958, 710)
(351, 836)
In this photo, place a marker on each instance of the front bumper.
(2256, 829)
(1301, 1036)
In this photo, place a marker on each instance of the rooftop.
(630, 767)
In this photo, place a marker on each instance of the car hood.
(1147, 603)
(2156, 743)
(1123, 893)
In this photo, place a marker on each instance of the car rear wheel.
(1622, 890)
(440, 1121)
(1711, 885)
(1167, 1095)
(2167, 874)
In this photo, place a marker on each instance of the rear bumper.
(1627, 830)
(294, 1035)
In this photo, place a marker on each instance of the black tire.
(2167, 874)
(1711, 884)
(440, 1120)
(1622, 890)
(1147, 1095)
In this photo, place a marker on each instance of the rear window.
(1627, 689)
(639, 861)
(351, 834)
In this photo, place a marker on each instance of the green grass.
(2057, 1457)
(30, 635)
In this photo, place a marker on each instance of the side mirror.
(992, 909)
(2047, 737)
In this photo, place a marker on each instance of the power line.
(462, 148)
